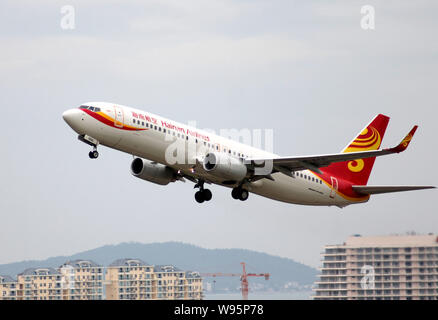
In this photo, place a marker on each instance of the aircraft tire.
(199, 197)
(207, 194)
(244, 194)
(235, 193)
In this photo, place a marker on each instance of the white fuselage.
(142, 134)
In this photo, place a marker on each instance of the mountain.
(285, 273)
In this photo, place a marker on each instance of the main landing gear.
(203, 194)
(240, 194)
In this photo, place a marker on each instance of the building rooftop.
(405, 240)
(81, 264)
(6, 279)
(193, 274)
(166, 268)
(39, 272)
(129, 263)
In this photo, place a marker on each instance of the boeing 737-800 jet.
(166, 151)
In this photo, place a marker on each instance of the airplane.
(166, 151)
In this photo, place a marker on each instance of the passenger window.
(147, 125)
(155, 127)
(178, 135)
(142, 123)
(229, 151)
(159, 129)
(187, 137)
(164, 130)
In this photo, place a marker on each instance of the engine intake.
(223, 166)
(152, 171)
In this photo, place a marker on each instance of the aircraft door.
(118, 117)
(334, 187)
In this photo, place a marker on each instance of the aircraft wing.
(287, 165)
(387, 189)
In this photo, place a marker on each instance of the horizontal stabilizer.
(387, 189)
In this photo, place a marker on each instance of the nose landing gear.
(91, 142)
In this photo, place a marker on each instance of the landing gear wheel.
(93, 154)
(235, 193)
(239, 193)
(244, 194)
(206, 193)
(199, 197)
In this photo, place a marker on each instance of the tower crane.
(243, 278)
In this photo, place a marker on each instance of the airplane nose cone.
(72, 117)
(69, 115)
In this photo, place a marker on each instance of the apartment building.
(398, 267)
(82, 280)
(8, 288)
(74, 280)
(134, 279)
(173, 283)
(39, 284)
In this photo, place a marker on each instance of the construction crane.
(243, 278)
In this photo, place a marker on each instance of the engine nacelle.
(152, 172)
(223, 166)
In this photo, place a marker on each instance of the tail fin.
(370, 138)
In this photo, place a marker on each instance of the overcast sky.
(305, 69)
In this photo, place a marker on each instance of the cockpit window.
(95, 109)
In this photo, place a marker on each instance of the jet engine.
(223, 166)
(152, 171)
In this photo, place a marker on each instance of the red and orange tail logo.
(370, 138)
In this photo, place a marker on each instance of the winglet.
(405, 143)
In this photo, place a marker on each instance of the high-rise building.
(399, 267)
(8, 288)
(134, 279)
